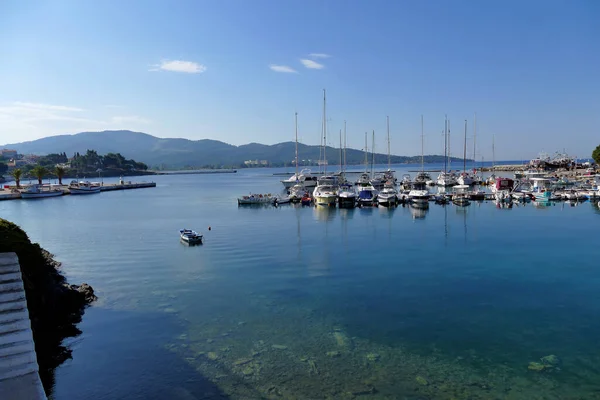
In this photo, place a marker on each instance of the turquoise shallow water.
(306, 303)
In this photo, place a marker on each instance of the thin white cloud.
(311, 64)
(282, 68)
(129, 119)
(48, 107)
(20, 121)
(112, 106)
(319, 55)
(188, 67)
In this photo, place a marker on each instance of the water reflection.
(419, 211)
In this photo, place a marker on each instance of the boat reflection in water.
(324, 214)
(419, 210)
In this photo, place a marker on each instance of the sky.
(238, 71)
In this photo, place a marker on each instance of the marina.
(336, 300)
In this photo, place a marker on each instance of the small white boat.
(83, 187)
(325, 195)
(256, 199)
(388, 196)
(38, 192)
(281, 200)
(418, 196)
(190, 236)
(367, 196)
(297, 192)
(465, 179)
(346, 196)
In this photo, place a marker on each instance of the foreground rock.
(55, 307)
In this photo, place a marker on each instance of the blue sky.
(233, 71)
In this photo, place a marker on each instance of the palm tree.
(39, 172)
(59, 172)
(17, 173)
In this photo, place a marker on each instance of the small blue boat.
(189, 236)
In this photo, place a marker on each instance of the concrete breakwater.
(13, 193)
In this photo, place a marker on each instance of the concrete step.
(9, 269)
(14, 360)
(17, 370)
(15, 337)
(15, 326)
(9, 286)
(15, 315)
(10, 306)
(16, 348)
(12, 296)
(11, 276)
(9, 259)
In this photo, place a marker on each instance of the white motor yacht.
(446, 179)
(304, 177)
(388, 196)
(346, 196)
(418, 196)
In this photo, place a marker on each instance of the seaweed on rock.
(55, 307)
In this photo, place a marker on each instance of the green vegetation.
(3, 168)
(87, 164)
(39, 172)
(596, 155)
(17, 174)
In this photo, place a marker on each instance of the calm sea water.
(298, 302)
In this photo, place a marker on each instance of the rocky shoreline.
(55, 306)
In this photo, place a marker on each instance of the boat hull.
(41, 195)
(84, 191)
(325, 200)
(347, 202)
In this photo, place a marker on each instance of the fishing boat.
(83, 187)
(255, 199)
(189, 236)
(38, 192)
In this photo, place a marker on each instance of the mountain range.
(185, 153)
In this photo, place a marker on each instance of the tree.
(16, 173)
(60, 173)
(3, 168)
(39, 172)
(596, 155)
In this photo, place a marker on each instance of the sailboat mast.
(388, 133)
(449, 158)
(465, 149)
(344, 145)
(324, 135)
(494, 152)
(341, 154)
(373, 158)
(474, 139)
(366, 154)
(422, 160)
(446, 145)
(296, 123)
